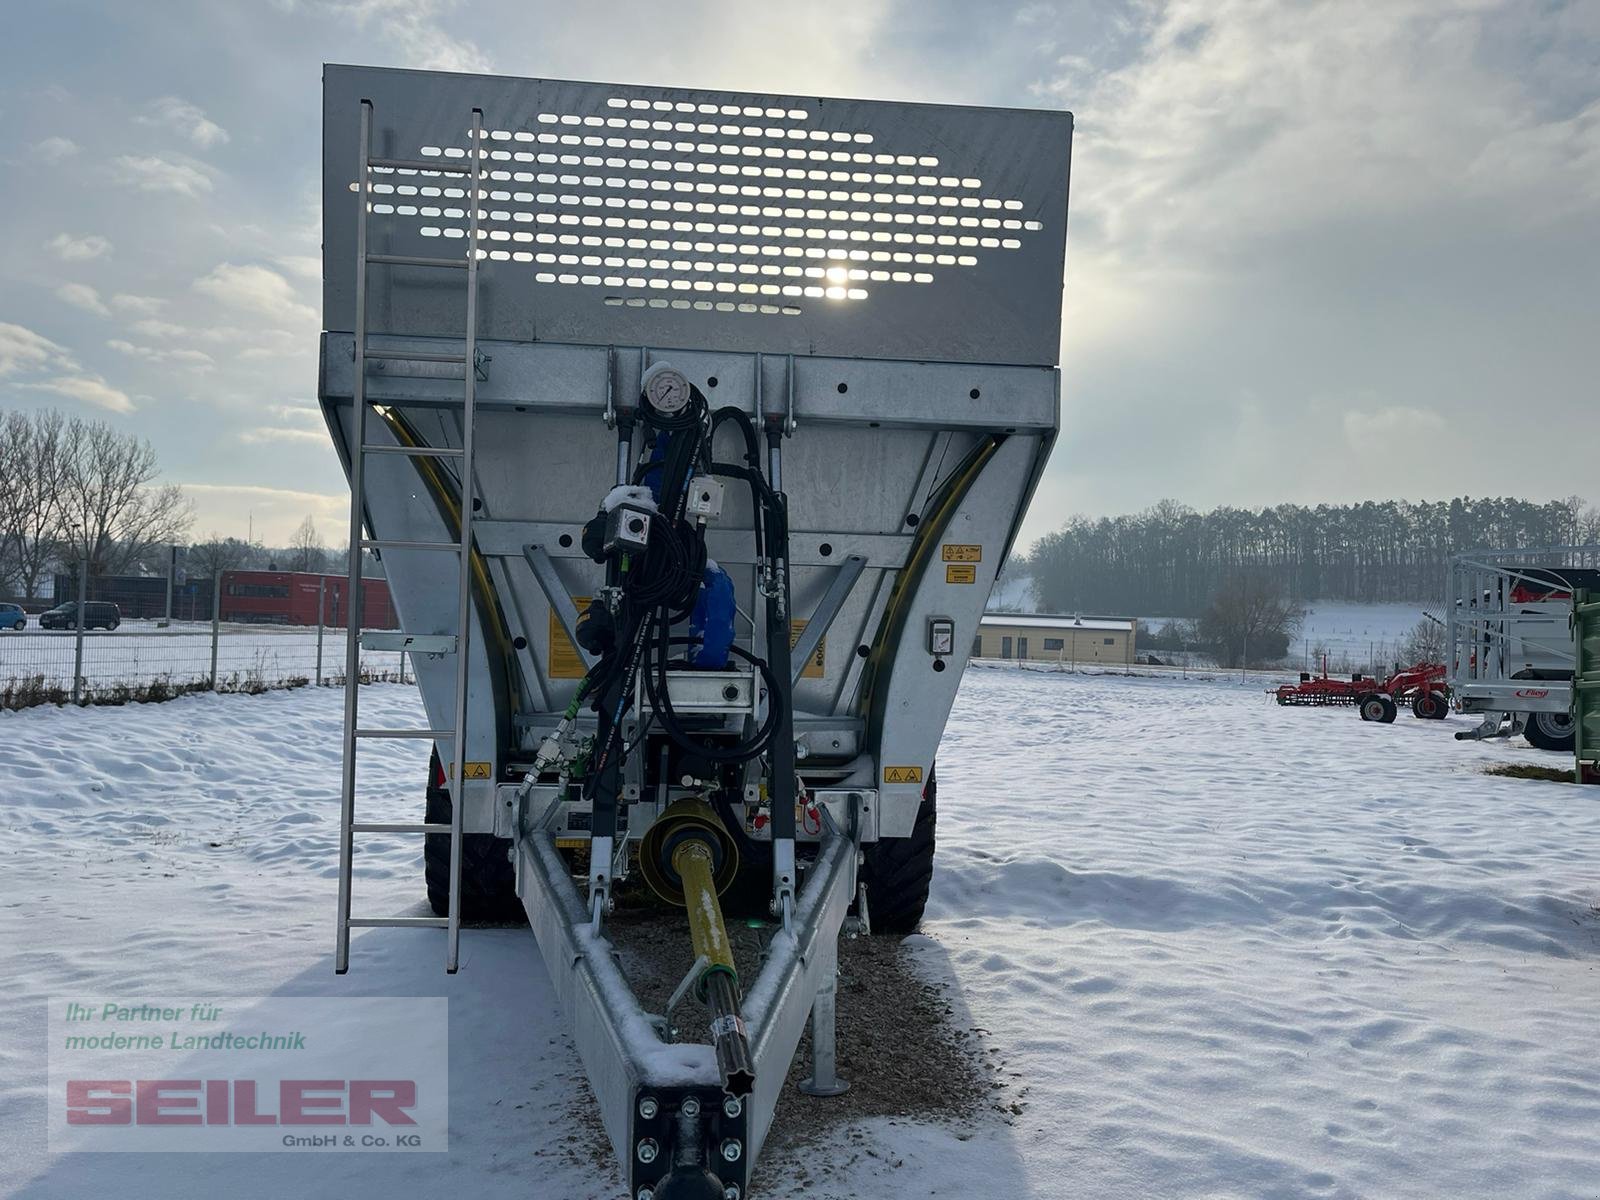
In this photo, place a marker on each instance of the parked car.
(12, 617)
(97, 614)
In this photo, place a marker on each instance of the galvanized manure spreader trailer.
(692, 429)
(1511, 643)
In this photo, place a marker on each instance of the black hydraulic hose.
(778, 654)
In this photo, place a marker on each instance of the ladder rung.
(404, 733)
(398, 922)
(415, 451)
(416, 260)
(398, 827)
(447, 166)
(393, 544)
(415, 356)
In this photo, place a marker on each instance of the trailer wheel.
(1429, 706)
(897, 872)
(488, 880)
(1550, 731)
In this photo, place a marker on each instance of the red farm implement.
(1422, 686)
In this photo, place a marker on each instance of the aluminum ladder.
(354, 734)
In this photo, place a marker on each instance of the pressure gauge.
(667, 389)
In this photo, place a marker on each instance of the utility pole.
(77, 656)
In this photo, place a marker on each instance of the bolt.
(648, 1107)
(731, 1192)
(731, 1149)
(732, 1106)
(647, 1193)
(690, 1107)
(647, 1150)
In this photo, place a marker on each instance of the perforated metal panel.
(626, 215)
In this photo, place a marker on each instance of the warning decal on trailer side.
(470, 770)
(902, 774)
(961, 573)
(955, 552)
(816, 665)
(565, 662)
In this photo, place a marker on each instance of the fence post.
(216, 624)
(77, 653)
(322, 591)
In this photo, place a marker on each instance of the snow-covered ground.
(1232, 950)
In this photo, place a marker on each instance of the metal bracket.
(783, 882)
(431, 644)
(600, 851)
(788, 411)
(664, 1027)
(544, 571)
(844, 582)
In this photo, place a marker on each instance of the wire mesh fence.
(147, 660)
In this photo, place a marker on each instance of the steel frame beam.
(623, 1055)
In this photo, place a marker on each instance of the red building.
(290, 598)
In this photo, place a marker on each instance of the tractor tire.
(488, 880)
(1430, 706)
(1551, 731)
(897, 872)
(1375, 706)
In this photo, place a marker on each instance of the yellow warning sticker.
(473, 770)
(815, 665)
(955, 552)
(902, 774)
(961, 573)
(564, 660)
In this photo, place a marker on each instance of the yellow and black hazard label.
(817, 663)
(961, 573)
(902, 774)
(473, 770)
(565, 662)
(959, 553)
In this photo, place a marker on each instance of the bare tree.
(210, 558)
(114, 513)
(306, 552)
(32, 470)
(1249, 620)
(1425, 642)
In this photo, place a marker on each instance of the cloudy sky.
(1318, 251)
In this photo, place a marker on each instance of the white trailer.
(1510, 640)
(692, 429)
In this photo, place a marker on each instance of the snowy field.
(1232, 950)
(1358, 633)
